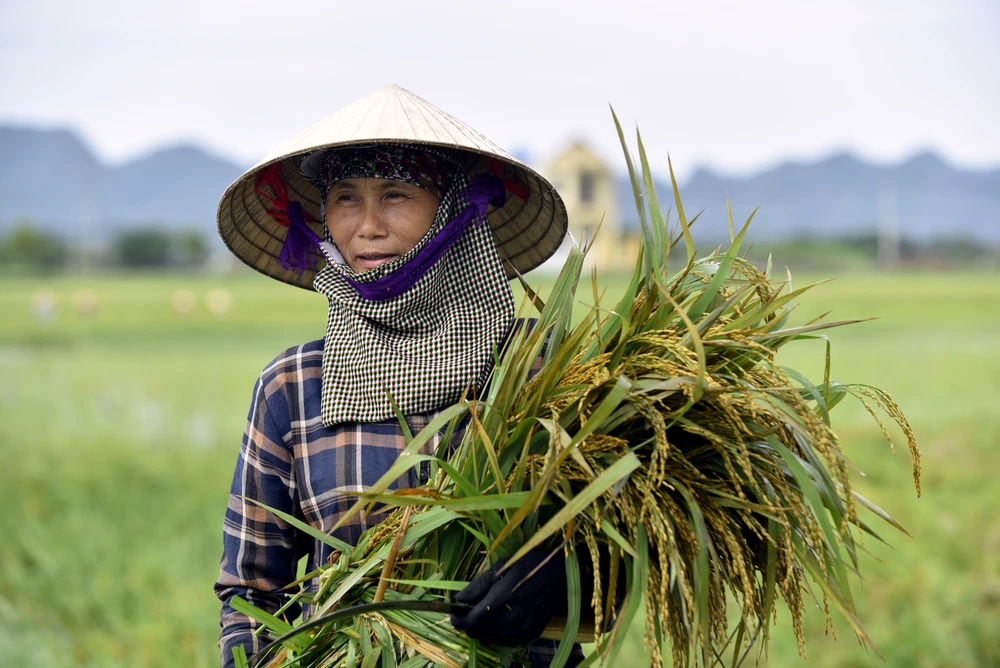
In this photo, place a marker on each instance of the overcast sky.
(734, 85)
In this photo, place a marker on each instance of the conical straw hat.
(526, 232)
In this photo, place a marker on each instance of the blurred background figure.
(183, 302)
(45, 305)
(219, 301)
(86, 302)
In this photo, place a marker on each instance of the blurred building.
(587, 186)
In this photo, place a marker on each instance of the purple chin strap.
(484, 190)
(301, 248)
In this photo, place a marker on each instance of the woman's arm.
(259, 550)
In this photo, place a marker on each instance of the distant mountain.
(182, 184)
(49, 176)
(52, 177)
(924, 197)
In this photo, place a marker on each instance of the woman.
(381, 208)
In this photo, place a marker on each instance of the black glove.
(510, 608)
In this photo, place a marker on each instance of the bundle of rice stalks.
(662, 430)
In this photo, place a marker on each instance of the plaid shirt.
(290, 461)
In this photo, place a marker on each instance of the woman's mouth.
(372, 260)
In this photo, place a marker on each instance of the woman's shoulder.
(294, 365)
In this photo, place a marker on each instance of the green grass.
(119, 431)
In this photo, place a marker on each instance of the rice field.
(124, 400)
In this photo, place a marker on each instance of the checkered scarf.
(426, 346)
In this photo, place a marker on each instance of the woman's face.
(374, 221)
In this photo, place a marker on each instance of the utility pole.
(87, 209)
(889, 238)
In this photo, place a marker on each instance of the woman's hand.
(512, 608)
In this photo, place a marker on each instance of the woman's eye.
(344, 197)
(395, 195)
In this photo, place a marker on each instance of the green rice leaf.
(685, 226)
(463, 504)
(566, 443)
(420, 662)
(610, 402)
(611, 532)
(764, 310)
(240, 657)
(878, 511)
(604, 482)
(487, 445)
(725, 265)
(844, 606)
(449, 585)
(660, 244)
(574, 605)
(808, 488)
(372, 658)
(637, 575)
(324, 538)
(770, 574)
(701, 566)
(403, 424)
(273, 624)
(480, 536)
(640, 205)
(812, 391)
(729, 219)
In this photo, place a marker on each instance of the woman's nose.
(372, 223)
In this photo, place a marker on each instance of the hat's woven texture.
(526, 231)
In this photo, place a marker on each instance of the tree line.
(30, 248)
